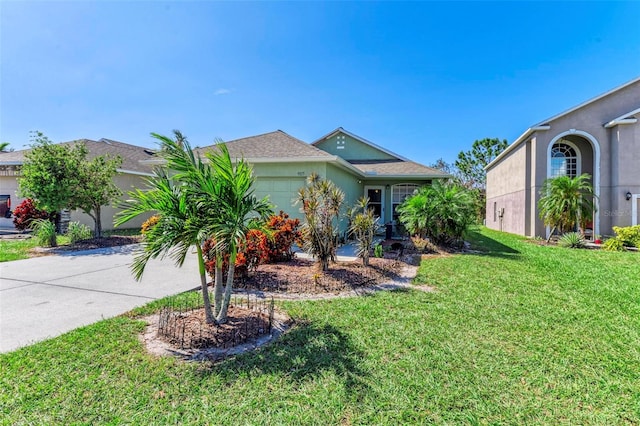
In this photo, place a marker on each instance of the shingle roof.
(131, 154)
(276, 144)
(396, 168)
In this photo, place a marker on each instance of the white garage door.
(281, 191)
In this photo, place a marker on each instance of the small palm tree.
(175, 194)
(4, 146)
(239, 211)
(566, 202)
(364, 225)
(320, 202)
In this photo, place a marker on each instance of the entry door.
(376, 200)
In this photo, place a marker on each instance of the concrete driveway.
(46, 296)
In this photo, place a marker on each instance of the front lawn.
(516, 334)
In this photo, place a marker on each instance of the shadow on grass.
(305, 353)
(486, 246)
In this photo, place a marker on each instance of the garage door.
(281, 191)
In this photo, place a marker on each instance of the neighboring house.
(600, 137)
(131, 175)
(282, 164)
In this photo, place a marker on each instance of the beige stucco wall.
(611, 156)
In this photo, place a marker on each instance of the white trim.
(623, 119)
(133, 172)
(570, 110)
(361, 139)
(382, 199)
(595, 145)
(517, 142)
(634, 209)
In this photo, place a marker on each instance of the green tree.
(50, 174)
(320, 201)
(441, 212)
(195, 200)
(566, 202)
(363, 227)
(471, 164)
(96, 188)
(4, 146)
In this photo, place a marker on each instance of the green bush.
(629, 236)
(378, 251)
(77, 231)
(613, 244)
(572, 240)
(45, 232)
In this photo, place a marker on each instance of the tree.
(50, 174)
(4, 147)
(471, 164)
(363, 227)
(566, 202)
(195, 200)
(443, 166)
(59, 176)
(97, 188)
(441, 212)
(320, 201)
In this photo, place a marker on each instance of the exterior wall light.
(628, 195)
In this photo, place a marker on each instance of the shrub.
(251, 253)
(423, 245)
(25, 213)
(284, 233)
(572, 240)
(45, 232)
(613, 244)
(378, 251)
(440, 212)
(629, 235)
(77, 232)
(149, 223)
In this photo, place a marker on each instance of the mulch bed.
(92, 243)
(305, 276)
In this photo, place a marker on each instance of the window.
(399, 194)
(495, 211)
(564, 160)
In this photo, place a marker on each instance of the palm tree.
(3, 146)
(363, 226)
(240, 211)
(175, 194)
(566, 202)
(441, 212)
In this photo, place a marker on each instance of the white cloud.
(222, 92)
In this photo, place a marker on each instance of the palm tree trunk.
(217, 287)
(551, 233)
(222, 315)
(205, 290)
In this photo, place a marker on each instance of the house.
(600, 137)
(281, 164)
(131, 174)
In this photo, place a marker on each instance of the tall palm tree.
(566, 202)
(3, 146)
(175, 194)
(239, 212)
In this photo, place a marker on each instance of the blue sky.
(422, 79)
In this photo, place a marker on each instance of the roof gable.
(352, 147)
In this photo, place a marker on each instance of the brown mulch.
(190, 330)
(92, 243)
(305, 276)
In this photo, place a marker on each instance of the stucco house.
(600, 137)
(130, 175)
(281, 164)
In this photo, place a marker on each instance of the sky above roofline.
(421, 79)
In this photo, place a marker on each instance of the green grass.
(516, 334)
(19, 249)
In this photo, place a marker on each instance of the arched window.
(564, 160)
(400, 193)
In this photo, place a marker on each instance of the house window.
(564, 160)
(399, 194)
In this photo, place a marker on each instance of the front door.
(376, 200)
